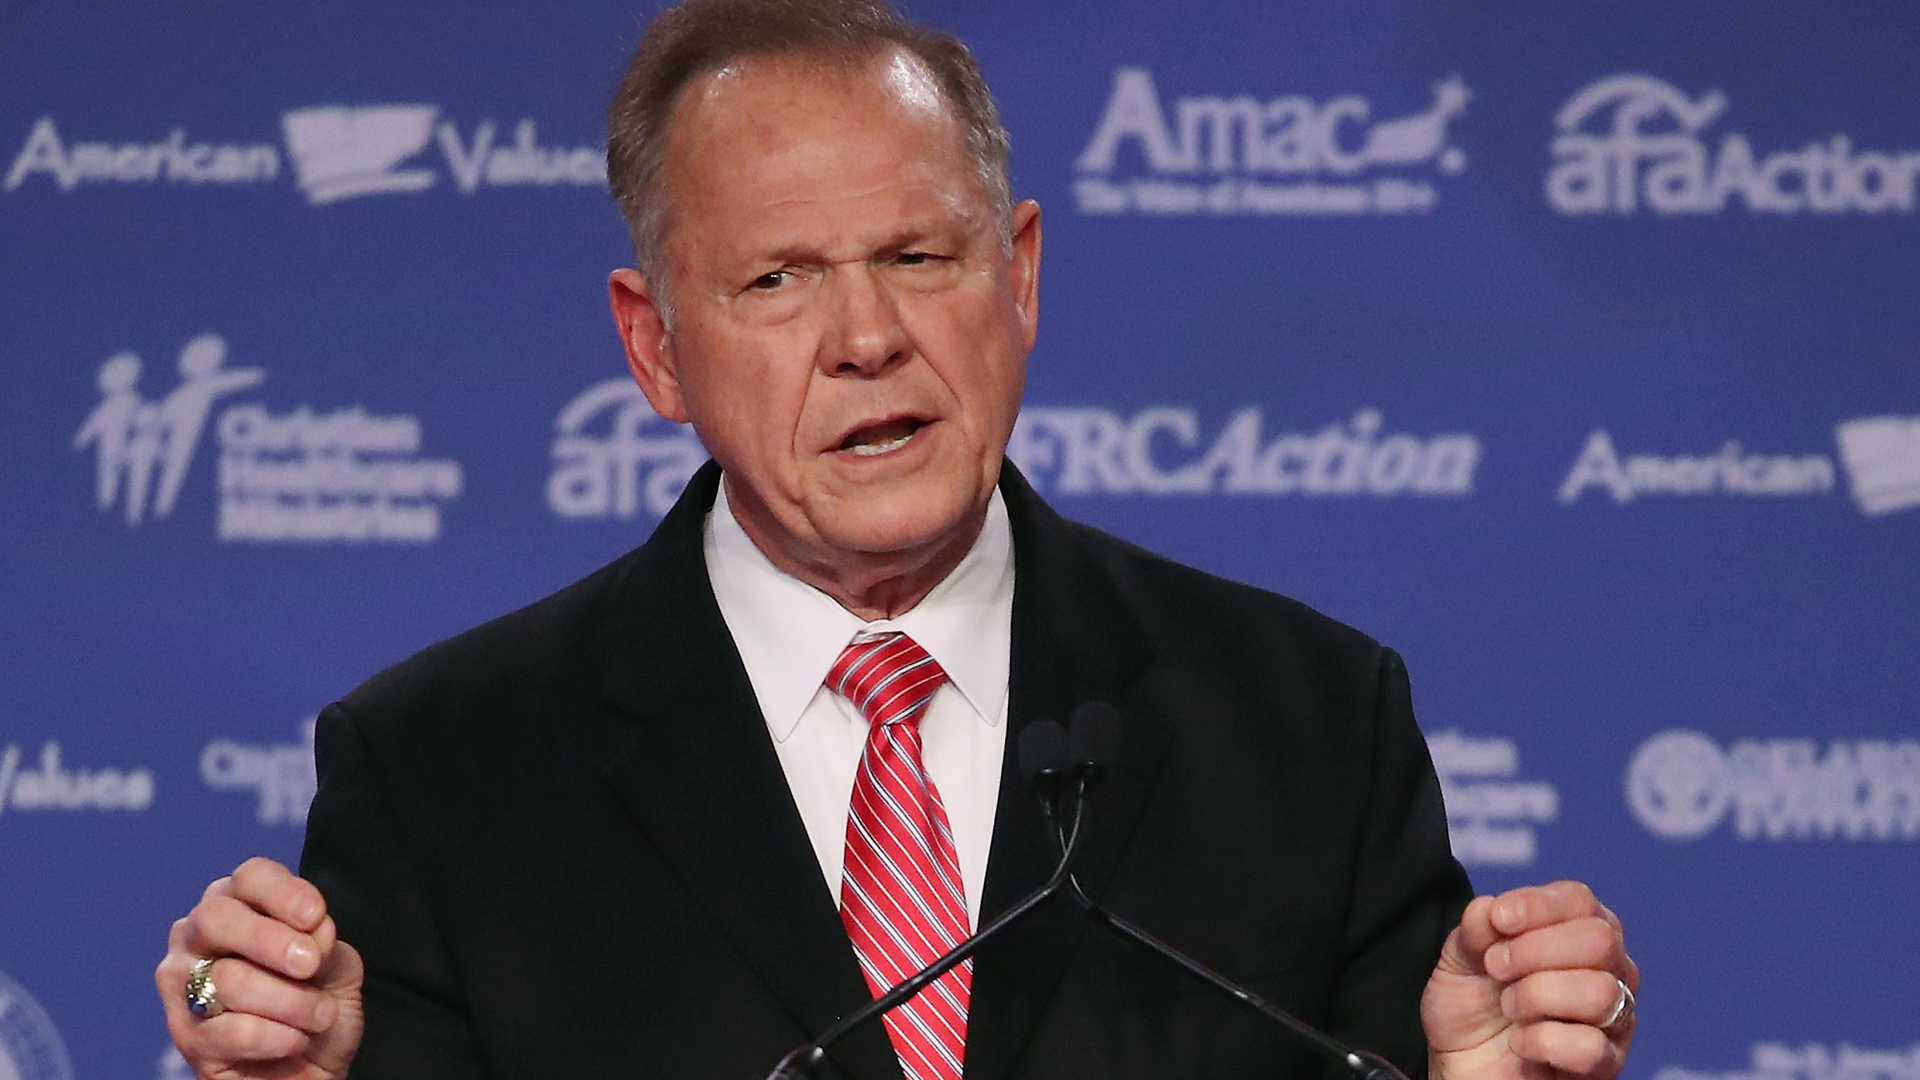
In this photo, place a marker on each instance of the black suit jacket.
(566, 848)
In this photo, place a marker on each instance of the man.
(607, 835)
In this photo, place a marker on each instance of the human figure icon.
(183, 415)
(111, 427)
(132, 435)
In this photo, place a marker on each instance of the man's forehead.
(913, 84)
(855, 223)
(774, 140)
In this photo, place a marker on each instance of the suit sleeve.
(417, 1028)
(1408, 891)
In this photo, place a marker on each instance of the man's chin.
(899, 520)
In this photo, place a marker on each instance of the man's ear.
(1024, 272)
(649, 347)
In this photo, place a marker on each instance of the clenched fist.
(288, 988)
(1533, 985)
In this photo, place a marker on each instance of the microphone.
(1046, 762)
(1091, 744)
(1093, 740)
(1094, 745)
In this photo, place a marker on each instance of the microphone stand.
(802, 1062)
(1361, 1064)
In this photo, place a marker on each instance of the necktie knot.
(889, 678)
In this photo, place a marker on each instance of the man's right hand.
(290, 988)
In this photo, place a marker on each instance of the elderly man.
(689, 811)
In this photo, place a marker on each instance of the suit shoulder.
(512, 656)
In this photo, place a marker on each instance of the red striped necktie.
(900, 894)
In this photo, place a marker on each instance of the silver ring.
(1621, 1018)
(203, 1000)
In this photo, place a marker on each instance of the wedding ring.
(1621, 1018)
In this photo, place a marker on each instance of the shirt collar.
(789, 633)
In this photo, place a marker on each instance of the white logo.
(340, 152)
(302, 476)
(1317, 151)
(1490, 816)
(53, 787)
(1882, 455)
(283, 775)
(637, 458)
(1677, 785)
(1731, 471)
(30, 1046)
(1777, 1061)
(132, 436)
(1078, 451)
(1633, 139)
(343, 151)
(1681, 786)
(172, 160)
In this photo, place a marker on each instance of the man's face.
(850, 334)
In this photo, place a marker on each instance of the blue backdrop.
(1568, 348)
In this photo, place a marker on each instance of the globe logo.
(30, 1048)
(1677, 785)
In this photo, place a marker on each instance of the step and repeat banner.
(1573, 350)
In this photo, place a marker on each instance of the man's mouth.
(882, 438)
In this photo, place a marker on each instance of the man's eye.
(771, 280)
(914, 258)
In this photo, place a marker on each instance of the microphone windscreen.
(1043, 749)
(1094, 737)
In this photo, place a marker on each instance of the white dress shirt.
(790, 633)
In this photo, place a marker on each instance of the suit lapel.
(701, 776)
(1074, 640)
(699, 773)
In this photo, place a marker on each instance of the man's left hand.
(1534, 984)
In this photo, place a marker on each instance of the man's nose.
(866, 337)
